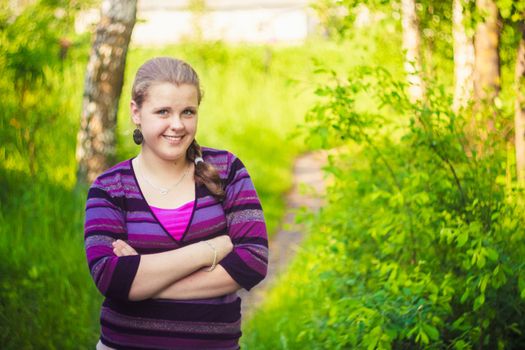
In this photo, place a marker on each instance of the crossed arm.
(180, 274)
(120, 273)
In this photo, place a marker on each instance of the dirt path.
(308, 187)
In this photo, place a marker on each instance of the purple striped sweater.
(116, 209)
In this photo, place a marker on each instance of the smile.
(171, 138)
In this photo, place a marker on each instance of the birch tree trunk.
(487, 80)
(412, 48)
(463, 58)
(102, 88)
(519, 116)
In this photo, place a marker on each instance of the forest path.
(307, 191)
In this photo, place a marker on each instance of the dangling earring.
(137, 136)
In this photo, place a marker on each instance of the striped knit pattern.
(116, 209)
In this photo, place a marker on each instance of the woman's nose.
(176, 122)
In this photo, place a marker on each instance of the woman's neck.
(162, 170)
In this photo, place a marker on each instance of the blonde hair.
(163, 70)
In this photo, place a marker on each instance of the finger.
(117, 252)
(120, 244)
(129, 251)
(123, 249)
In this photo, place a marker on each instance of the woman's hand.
(121, 248)
(222, 244)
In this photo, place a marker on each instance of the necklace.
(163, 190)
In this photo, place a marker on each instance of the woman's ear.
(135, 112)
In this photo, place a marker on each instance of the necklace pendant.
(163, 191)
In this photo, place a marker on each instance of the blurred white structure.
(263, 21)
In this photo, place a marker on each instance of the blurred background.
(422, 103)
(253, 21)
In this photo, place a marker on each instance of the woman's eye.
(188, 112)
(162, 112)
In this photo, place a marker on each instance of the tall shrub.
(430, 233)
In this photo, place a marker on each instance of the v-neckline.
(155, 216)
(183, 205)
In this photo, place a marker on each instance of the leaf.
(521, 280)
(375, 335)
(422, 336)
(479, 301)
(33, 272)
(301, 335)
(483, 283)
(326, 275)
(499, 277)
(432, 331)
(457, 324)
(462, 239)
(492, 254)
(485, 324)
(515, 328)
(465, 296)
(481, 260)
(412, 331)
(460, 345)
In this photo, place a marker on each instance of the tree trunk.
(102, 88)
(486, 45)
(519, 117)
(463, 59)
(412, 47)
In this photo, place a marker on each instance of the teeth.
(173, 137)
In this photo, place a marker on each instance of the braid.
(205, 173)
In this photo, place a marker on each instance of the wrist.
(211, 247)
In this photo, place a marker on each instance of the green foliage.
(419, 247)
(511, 10)
(46, 302)
(43, 291)
(421, 244)
(32, 69)
(254, 97)
(336, 17)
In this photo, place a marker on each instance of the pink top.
(174, 220)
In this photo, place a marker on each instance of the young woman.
(173, 233)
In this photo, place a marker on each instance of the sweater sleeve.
(248, 262)
(105, 224)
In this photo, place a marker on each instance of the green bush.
(421, 244)
(254, 97)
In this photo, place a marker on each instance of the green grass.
(255, 96)
(300, 302)
(328, 296)
(46, 300)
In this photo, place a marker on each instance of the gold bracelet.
(214, 256)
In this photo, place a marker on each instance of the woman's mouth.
(173, 139)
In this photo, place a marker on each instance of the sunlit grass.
(298, 298)
(255, 96)
(254, 99)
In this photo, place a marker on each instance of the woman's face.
(168, 119)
